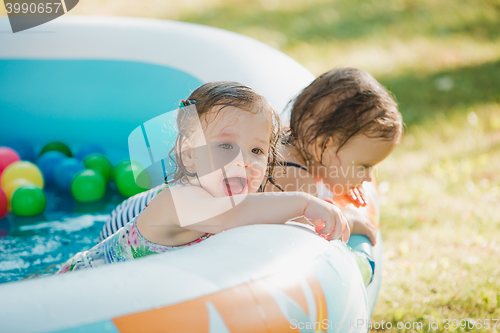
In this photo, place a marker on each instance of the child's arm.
(179, 209)
(360, 224)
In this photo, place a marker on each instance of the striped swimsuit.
(126, 211)
(125, 244)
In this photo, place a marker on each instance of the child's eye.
(257, 151)
(226, 146)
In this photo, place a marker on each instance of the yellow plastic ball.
(22, 169)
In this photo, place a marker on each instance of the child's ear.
(317, 148)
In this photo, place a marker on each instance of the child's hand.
(355, 196)
(360, 224)
(327, 219)
(358, 196)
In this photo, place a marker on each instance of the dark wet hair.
(340, 104)
(225, 93)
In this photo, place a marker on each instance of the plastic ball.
(13, 186)
(118, 168)
(4, 203)
(89, 149)
(7, 157)
(48, 162)
(88, 186)
(125, 181)
(22, 169)
(28, 200)
(57, 146)
(65, 171)
(24, 148)
(100, 164)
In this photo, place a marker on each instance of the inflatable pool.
(91, 79)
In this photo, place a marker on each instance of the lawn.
(440, 189)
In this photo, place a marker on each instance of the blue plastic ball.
(24, 148)
(88, 149)
(48, 162)
(65, 171)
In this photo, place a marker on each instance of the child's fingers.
(359, 196)
(318, 225)
(361, 190)
(352, 195)
(337, 227)
(360, 199)
(325, 228)
(329, 223)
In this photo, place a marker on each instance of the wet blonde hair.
(340, 104)
(225, 93)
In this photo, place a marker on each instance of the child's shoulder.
(175, 195)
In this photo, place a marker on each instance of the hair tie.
(182, 104)
(185, 103)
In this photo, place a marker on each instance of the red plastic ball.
(4, 203)
(7, 157)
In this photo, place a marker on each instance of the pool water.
(40, 245)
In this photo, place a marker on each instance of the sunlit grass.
(441, 221)
(441, 59)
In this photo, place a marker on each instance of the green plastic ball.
(88, 186)
(28, 200)
(57, 146)
(120, 166)
(125, 181)
(99, 163)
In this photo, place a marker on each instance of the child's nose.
(243, 160)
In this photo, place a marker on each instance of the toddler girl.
(225, 153)
(341, 126)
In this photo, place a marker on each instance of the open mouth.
(234, 185)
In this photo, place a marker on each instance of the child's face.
(354, 162)
(238, 145)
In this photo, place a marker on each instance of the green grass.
(441, 211)
(423, 96)
(440, 221)
(322, 21)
